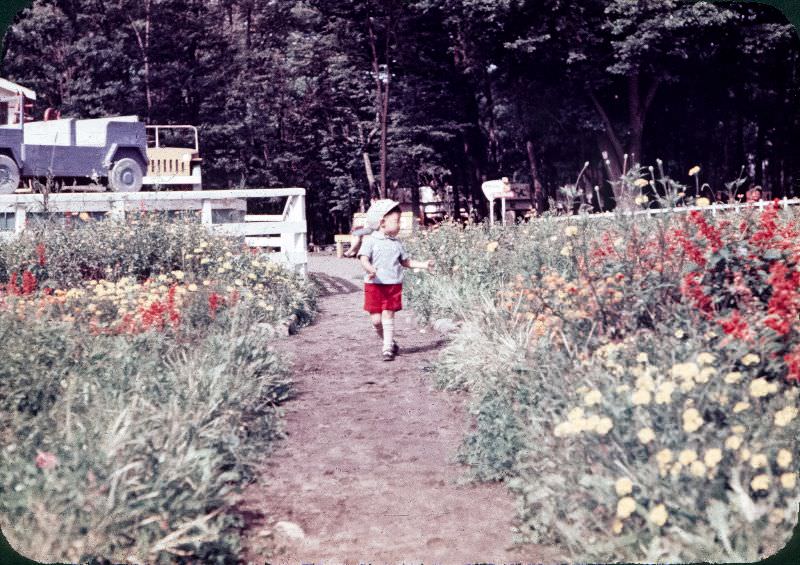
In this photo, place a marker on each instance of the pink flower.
(46, 460)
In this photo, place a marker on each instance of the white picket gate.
(284, 234)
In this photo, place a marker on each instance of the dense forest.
(353, 98)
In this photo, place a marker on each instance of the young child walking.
(383, 257)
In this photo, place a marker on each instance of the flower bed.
(139, 388)
(633, 379)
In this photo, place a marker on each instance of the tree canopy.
(361, 98)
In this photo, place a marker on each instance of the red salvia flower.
(40, 253)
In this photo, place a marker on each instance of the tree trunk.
(370, 174)
(381, 98)
(537, 194)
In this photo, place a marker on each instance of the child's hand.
(431, 263)
(370, 276)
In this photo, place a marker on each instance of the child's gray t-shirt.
(385, 253)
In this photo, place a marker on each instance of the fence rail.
(284, 234)
(713, 208)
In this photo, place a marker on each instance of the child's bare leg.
(355, 245)
(387, 321)
(376, 322)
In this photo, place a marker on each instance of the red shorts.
(380, 297)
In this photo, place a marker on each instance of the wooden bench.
(408, 225)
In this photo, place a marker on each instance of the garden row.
(634, 379)
(138, 387)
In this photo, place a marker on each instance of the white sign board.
(497, 189)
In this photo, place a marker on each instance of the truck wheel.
(125, 176)
(9, 175)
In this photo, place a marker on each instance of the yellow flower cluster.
(577, 422)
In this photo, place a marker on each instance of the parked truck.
(83, 155)
(106, 150)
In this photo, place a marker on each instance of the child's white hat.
(378, 210)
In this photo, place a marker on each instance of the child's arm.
(371, 271)
(411, 264)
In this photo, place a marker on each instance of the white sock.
(388, 332)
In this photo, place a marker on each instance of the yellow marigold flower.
(623, 486)
(712, 457)
(646, 382)
(664, 394)
(692, 420)
(758, 460)
(192, 287)
(84, 216)
(204, 261)
(658, 515)
(590, 424)
(252, 276)
(563, 429)
(178, 275)
(566, 250)
(706, 358)
(733, 377)
(593, 397)
(604, 425)
(203, 244)
(740, 407)
(616, 528)
(197, 250)
(759, 387)
(641, 183)
(784, 416)
(705, 374)
(641, 199)
(679, 334)
(685, 371)
(686, 456)
(702, 201)
(491, 247)
(744, 454)
(694, 170)
(784, 458)
(750, 359)
(697, 468)
(760, 482)
(221, 269)
(663, 457)
(625, 507)
(571, 231)
(575, 414)
(788, 480)
(642, 357)
(641, 397)
(676, 468)
(227, 264)
(646, 435)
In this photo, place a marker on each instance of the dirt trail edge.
(367, 473)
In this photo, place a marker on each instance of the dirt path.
(367, 471)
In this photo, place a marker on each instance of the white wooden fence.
(712, 208)
(283, 235)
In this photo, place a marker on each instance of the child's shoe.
(388, 355)
(395, 348)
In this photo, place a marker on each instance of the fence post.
(118, 209)
(205, 216)
(20, 218)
